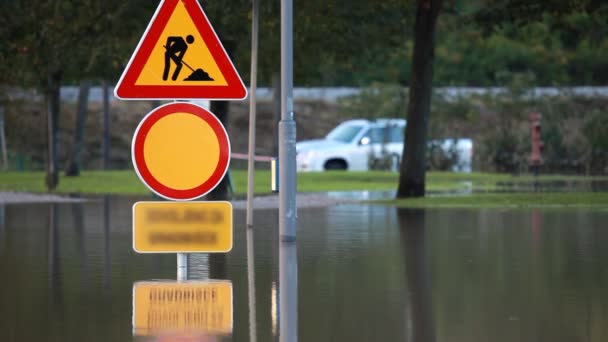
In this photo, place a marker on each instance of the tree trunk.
(3, 147)
(154, 104)
(106, 125)
(220, 193)
(53, 104)
(217, 266)
(413, 168)
(74, 160)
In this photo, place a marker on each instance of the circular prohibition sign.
(180, 151)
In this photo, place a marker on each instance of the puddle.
(365, 273)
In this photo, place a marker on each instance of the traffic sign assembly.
(180, 151)
(180, 35)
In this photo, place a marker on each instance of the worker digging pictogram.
(175, 50)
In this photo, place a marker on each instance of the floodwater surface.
(364, 273)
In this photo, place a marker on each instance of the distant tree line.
(337, 43)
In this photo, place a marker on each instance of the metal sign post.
(288, 269)
(287, 130)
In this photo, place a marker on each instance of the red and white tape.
(243, 156)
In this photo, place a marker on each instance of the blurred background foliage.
(513, 43)
(337, 43)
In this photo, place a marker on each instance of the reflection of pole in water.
(288, 292)
(106, 245)
(54, 260)
(536, 224)
(413, 236)
(251, 287)
(217, 266)
(78, 216)
(2, 227)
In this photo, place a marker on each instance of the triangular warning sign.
(180, 57)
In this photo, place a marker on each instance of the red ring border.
(144, 173)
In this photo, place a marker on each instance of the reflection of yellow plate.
(182, 338)
(188, 311)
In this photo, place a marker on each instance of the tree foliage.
(336, 43)
(77, 39)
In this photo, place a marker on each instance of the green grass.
(508, 200)
(126, 183)
(90, 182)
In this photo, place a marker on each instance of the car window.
(344, 133)
(375, 135)
(395, 134)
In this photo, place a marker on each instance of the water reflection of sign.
(167, 308)
(179, 227)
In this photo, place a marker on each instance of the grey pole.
(252, 112)
(287, 131)
(288, 269)
(182, 266)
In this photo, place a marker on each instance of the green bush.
(573, 131)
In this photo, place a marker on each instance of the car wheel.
(335, 165)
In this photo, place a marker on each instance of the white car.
(356, 145)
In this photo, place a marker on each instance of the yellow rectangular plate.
(182, 227)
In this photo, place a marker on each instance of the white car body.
(350, 145)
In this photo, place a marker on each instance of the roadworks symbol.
(180, 55)
(175, 51)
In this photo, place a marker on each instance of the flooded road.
(365, 273)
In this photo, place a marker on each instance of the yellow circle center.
(181, 151)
